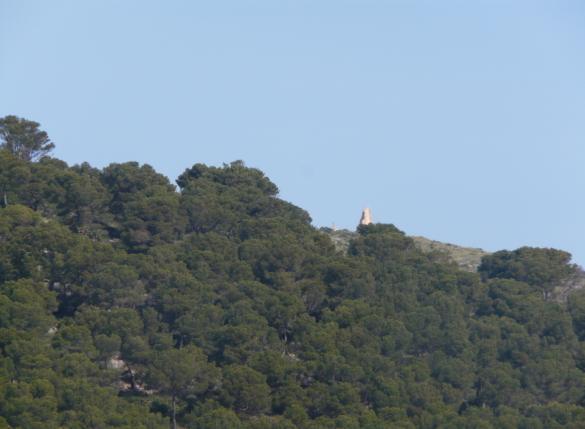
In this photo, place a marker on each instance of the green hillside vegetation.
(467, 258)
(128, 302)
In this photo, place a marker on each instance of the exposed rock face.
(340, 238)
(574, 282)
(116, 362)
(366, 218)
(468, 258)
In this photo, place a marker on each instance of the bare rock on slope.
(468, 258)
(574, 282)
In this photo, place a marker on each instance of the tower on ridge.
(366, 218)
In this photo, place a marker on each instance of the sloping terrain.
(467, 258)
(126, 302)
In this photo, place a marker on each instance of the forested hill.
(468, 258)
(127, 302)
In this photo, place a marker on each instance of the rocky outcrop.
(340, 238)
(574, 282)
(468, 258)
(115, 362)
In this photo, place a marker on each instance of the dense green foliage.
(24, 139)
(127, 303)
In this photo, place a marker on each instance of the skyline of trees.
(128, 303)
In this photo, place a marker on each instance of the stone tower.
(366, 218)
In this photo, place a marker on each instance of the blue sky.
(463, 121)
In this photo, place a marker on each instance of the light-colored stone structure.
(366, 218)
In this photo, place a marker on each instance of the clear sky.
(463, 121)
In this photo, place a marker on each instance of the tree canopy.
(24, 139)
(128, 303)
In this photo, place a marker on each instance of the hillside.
(467, 258)
(129, 302)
